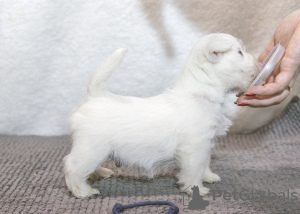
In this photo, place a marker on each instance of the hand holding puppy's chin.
(175, 127)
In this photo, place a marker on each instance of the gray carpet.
(255, 166)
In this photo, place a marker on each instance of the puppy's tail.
(100, 78)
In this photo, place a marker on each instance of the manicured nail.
(242, 104)
(250, 94)
(235, 102)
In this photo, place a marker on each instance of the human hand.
(280, 81)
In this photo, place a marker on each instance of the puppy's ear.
(216, 48)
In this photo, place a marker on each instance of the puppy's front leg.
(209, 176)
(194, 157)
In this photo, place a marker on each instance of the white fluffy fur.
(179, 124)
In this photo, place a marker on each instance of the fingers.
(281, 81)
(268, 89)
(274, 91)
(263, 101)
(271, 93)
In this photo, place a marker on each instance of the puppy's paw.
(101, 173)
(189, 190)
(203, 191)
(211, 177)
(92, 192)
(105, 173)
(86, 192)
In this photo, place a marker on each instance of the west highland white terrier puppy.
(179, 124)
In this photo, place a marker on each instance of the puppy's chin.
(244, 86)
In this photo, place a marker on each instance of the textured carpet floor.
(263, 169)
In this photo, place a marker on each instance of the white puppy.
(179, 124)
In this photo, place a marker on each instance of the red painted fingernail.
(242, 104)
(235, 102)
(250, 94)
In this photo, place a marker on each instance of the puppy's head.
(224, 59)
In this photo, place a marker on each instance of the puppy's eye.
(240, 52)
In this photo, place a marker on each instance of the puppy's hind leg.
(79, 164)
(101, 172)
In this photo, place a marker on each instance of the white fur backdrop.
(49, 49)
